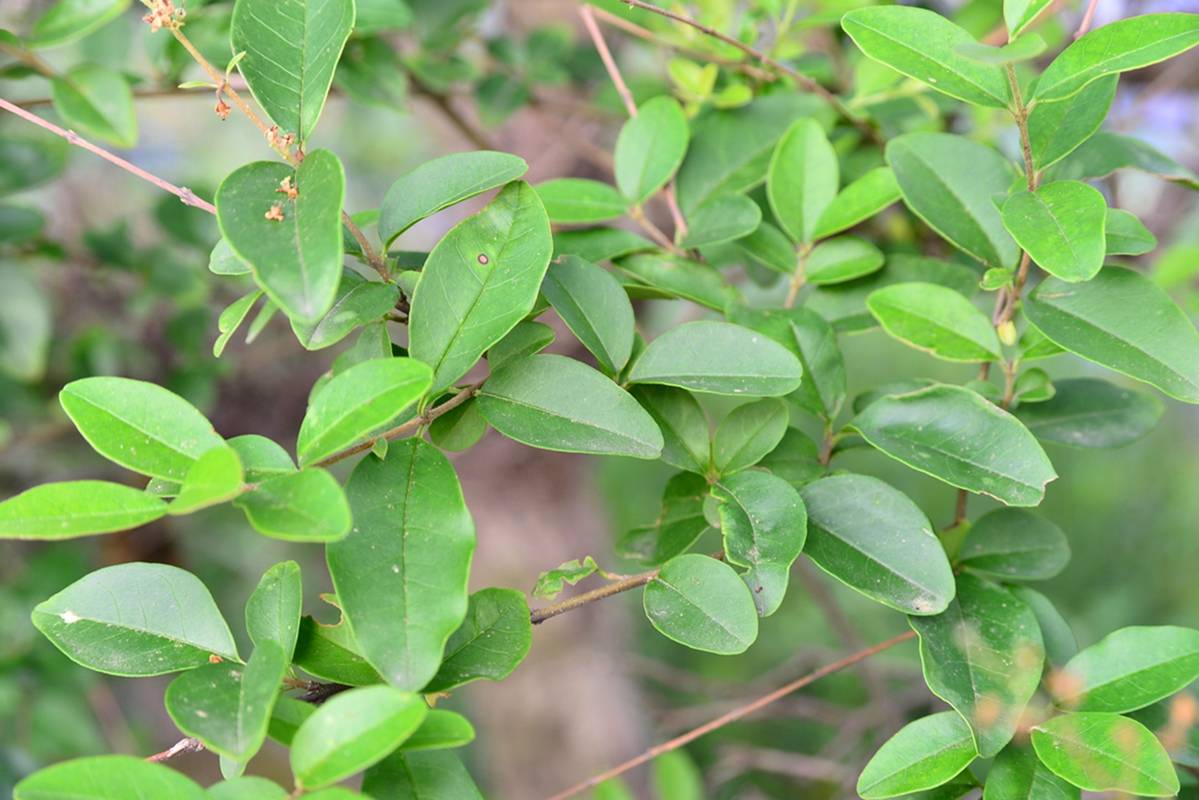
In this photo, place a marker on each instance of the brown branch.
(188, 745)
(601, 47)
(732, 716)
(1087, 18)
(540, 615)
(447, 110)
(182, 192)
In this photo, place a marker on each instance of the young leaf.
(136, 620)
(273, 610)
(297, 259)
(1016, 545)
(680, 523)
(722, 219)
(802, 180)
(98, 102)
(842, 259)
(1105, 752)
(923, 45)
(1130, 669)
(924, 754)
(489, 644)
(579, 201)
(858, 201)
(107, 778)
(683, 425)
(1056, 129)
(650, 148)
(441, 183)
(1089, 412)
(261, 457)
(1121, 46)
(937, 320)
(351, 731)
(76, 508)
(304, 506)
(702, 603)
(1125, 235)
(291, 52)
(1061, 225)
(594, 306)
(551, 583)
(950, 181)
(359, 302)
(875, 540)
(556, 403)
(433, 775)
(481, 279)
(214, 478)
(984, 657)
(364, 398)
(1017, 774)
(141, 426)
(441, 730)
(330, 653)
(748, 433)
(1102, 320)
(401, 574)
(719, 358)
(937, 430)
(231, 319)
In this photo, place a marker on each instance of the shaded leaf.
(489, 644)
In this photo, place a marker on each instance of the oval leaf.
(702, 603)
(107, 778)
(304, 506)
(1129, 669)
(937, 320)
(924, 754)
(1014, 544)
(803, 179)
(594, 306)
(1106, 752)
(489, 644)
(1089, 412)
(76, 508)
(1061, 225)
(650, 148)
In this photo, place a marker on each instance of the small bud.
(1007, 333)
(276, 213)
(222, 108)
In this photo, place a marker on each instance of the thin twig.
(732, 716)
(799, 277)
(182, 192)
(442, 103)
(1087, 18)
(188, 745)
(540, 615)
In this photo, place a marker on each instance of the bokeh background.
(121, 271)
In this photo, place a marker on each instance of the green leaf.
(304, 506)
(1061, 225)
(1060, 644)
(551, 583)
(720, 220)
(842, 259)
(31, 157)
(1017, 774)
(650, 148)
(420, 776)
(226, 705)
(231, 319)
(1088, 412)
(330, 653)
(107, 778)
(858, 201)
(1015, 51)
(1102, 752)
(683, 425)
(351, 731)
(940, 431)
(96, 101)
(1015, 545)
(984, 657)
(679, 524)
(261, 457)
(770, 248)
(923, 45)
(579, 201)
(1123, 45)
(1056, 129)
(702, 603)
(526, 339)
(718, 358)
(401, 574)
(594, 306)
(439, 731)
(291, 52)
(246, 787)
(1130, 669)
(136, 620)
(1019, 14)
(141, 426)
(1103, 320)
(357, 402)
(273, 610)
(66, 510)
(68, 20)
(796, 459)
(924, 754)
(936, 320)
(1107, 151)
(441, 183)
(489, 644)
(679, 277)
(376, 16)
(223, 261)
(803, 179)
(358, 303)
(676, 776)
(599, 244)
(297, 260)
(214, 478)
(949, 181)
(1126, 236)
(748, 433)
(556, 403)
(875, 540)
(26, 324)
(459, 428)
(481, 279)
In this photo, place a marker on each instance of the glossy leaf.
(747, 434)
(858, 201)
(1014, 544)
(650, 148)
(1102, 752)
(329, 652)
(937, 320)
(594, 306)
(231, 319)
(420, 776)
(358, 303)
(1061, 225)
(479, 282)
(291, 52)
(401, 574)
(273, 610)
(76, 508)
(803, 179)
(304, 506)
(842, 259)
(679, 524)
(1126, 235)
(1060, 644)
(580, 201)
(1056, 129)
(96, 101)
(107, 778)
(136, 619)
(1130, 669)
(1018, 775)
(720, 220)
(1089, 412)
(214, 478)
(439, 731)
(1125, 322)
(599, 244)
(489, 644)
(924, 754)
(679, 277)
(956, 436)
(702, 603)
(526, 339)
(1019, 14)
(556, 403)
(983, 656)
(683, 425)
(1108, 151)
